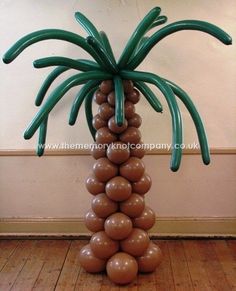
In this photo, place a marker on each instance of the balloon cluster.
(118, 216)
(105, 67)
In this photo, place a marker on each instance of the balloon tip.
(37, 103)
(230, 41)
(120, 123)
(174, 168)
(71, 122)
(35, 64)
(26, 135)
(40, 153)
(157, 9)
(6, 59)
(90, 40)
(207, 162)
(76, 14)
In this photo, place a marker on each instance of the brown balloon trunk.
(119, 217)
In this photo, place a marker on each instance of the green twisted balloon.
(86, 89)
(174, 110)
(89, 111)
(104, 66)
(172, 28)
(58, 93)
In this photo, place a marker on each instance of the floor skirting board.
(74, 227)
(84, 152)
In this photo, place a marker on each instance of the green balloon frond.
(105, 67)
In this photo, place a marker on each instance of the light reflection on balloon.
(118, 226)
(122, 268)
(103, 246)
(90, 262)
(103, 206)
(136, 243)
(150, 260)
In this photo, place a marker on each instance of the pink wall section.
(54, 186)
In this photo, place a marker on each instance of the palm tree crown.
(105, 67)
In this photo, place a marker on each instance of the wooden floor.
(53, 265)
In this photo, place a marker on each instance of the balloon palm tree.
(106, 73)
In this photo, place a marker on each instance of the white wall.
(53, 186)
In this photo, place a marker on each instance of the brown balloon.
(102, 206)
(146, 220)
(118, 188)
(98, 151)
(137, 150)
(122, 268)
(118, 152)
(94, 186)
(115, 128)
(135, 121)
(98, 122)
(105, 110)
(93, 222)
(133, 169)
(106, 86)
(128, 86)
(136, 243)
(89, 262)
(111, 98)
(104, 169)
(134, 96)
(143, 185)
(129, 110)
(104, 136)
(118, 226)
(103, 246)
(133, 206)
(150, 259)
(99, 97)
(131, 135)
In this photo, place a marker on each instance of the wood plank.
(133, 286)
(14, 265)
(163, 273)
(227, 261)
(50, 272)
(7, 248)
(107, 285)
(212, 266)
(182, 279)
(147, 282)
(197, 272)
(87, 281)
(53, 265)
(71, 268)
(33, 266)
(232, 246)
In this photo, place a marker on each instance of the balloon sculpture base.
(119, 217)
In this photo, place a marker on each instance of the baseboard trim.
(84, 152)
(74, 227)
